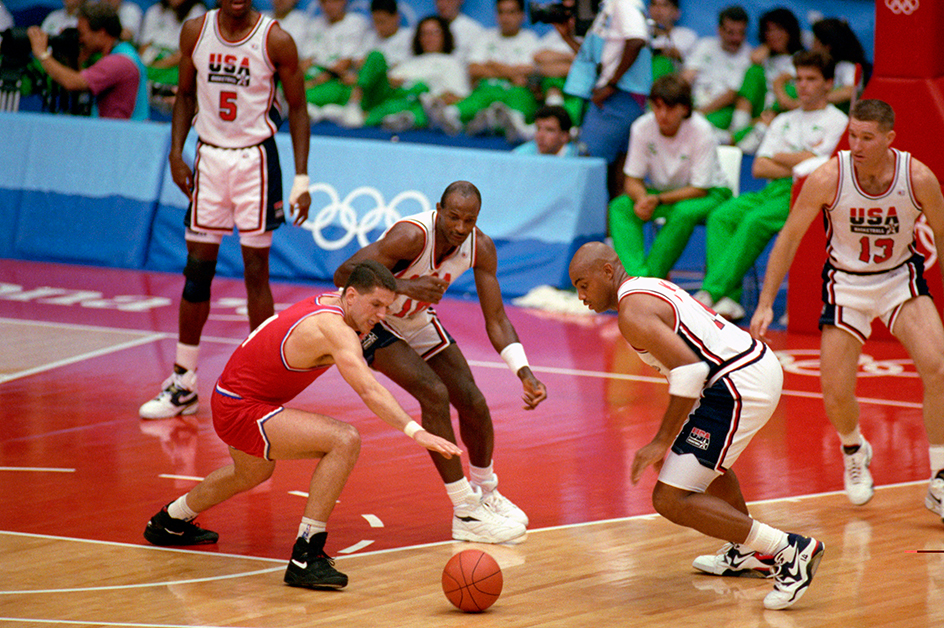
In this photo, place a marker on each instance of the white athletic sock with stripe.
(179, 509)
(310, 527)
(765, 539)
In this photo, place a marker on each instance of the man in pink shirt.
(118, 80)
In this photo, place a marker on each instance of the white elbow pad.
(689, 380)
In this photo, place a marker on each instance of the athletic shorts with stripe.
(423, 332)
(240, 423)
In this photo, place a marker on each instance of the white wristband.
(411, 428)
(689, 380)
(514, 357)
(299, 186)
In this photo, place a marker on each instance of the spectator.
(61, 19)
(771, 72)
(552, 61)
(117, 79)
(716, 69)
(129, 13)
(160, 37)
(839, 40)
(465, 30)
(670, 43)
(622, 82)
(334, 44)
(739, 229)
(433, 74)
(389, 45)
(499, 69)
(552, 134)
(674, 149)
(293, 20)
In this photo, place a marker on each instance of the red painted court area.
(84, 347)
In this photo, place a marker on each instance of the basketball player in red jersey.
(280, 359)
(723, 388)
(427, 252)
(232, 59)
(871, 196)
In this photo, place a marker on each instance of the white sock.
(459, 491)
(310, 527)
(764, 539)
(187, 356)
(852, 439)
(478, 475)
(179, 509)
(740, 120)
(936, 454)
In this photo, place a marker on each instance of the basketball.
(472, 580)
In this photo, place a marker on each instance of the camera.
(583, 11)
(17, 73)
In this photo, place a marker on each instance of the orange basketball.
(472, 580)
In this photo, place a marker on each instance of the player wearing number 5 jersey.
(232, 58)
(871, 197)
(426, 253)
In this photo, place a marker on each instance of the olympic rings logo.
(924, 238)
(899, 7)
(341, 216)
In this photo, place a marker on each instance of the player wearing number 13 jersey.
(871, 197)
(426, 253)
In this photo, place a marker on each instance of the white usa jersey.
(424, 264)
(235, 85)
(723, 346)
(866, 233)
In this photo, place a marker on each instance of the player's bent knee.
(666, 500)
(348, 440)
(199, 276)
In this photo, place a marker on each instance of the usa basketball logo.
(902, 7)
(699, 438)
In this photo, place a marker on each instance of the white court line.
(356, 547)
(72, 622)
(168, 476)
(38, 469)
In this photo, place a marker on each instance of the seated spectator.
(368, 85)
(61, 19)
(672, 172)
(670, 43)
(160, 37)
(130, 15)
(771, 71)
(739, 229)
(552, 62)
(433, 73)
(552, 134)
(334, 44)
(465, 30)
(293, 21)
(499, 69)
(117, 79)
(716, 68)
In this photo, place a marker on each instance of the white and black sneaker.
(500, 504)
(474, 521)
(735, 560)
(178, 396)
(796, 564)
(857, 479)
(934, 500)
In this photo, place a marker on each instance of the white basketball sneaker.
(934, 500)
(857, 479)
(476, 522)
(736, 560)
(500, 504)
(178, 396)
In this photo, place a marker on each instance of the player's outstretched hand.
(760, 322)
(437, 444)
(534, 392)
(651, 454)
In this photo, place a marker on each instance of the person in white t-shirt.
(160, 37)
(465, 30)
(293, 20)
(672, 172)
(61, 19)
(738, 230)
(553, 60)
(717, 65)
(335, 42)
(499, 68)
(670, 43)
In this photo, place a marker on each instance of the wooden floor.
(81, 349)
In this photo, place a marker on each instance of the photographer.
(117, 80)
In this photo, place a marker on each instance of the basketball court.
(80, 475)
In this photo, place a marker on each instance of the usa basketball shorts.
(851, 301)
(739, 400)
(422, 331)
(237, 188)
(240, 423)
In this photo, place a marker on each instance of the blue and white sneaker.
(178, 396)
(796, 564)
(735, 560)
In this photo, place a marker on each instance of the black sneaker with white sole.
(164, 530)
(310, 567)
